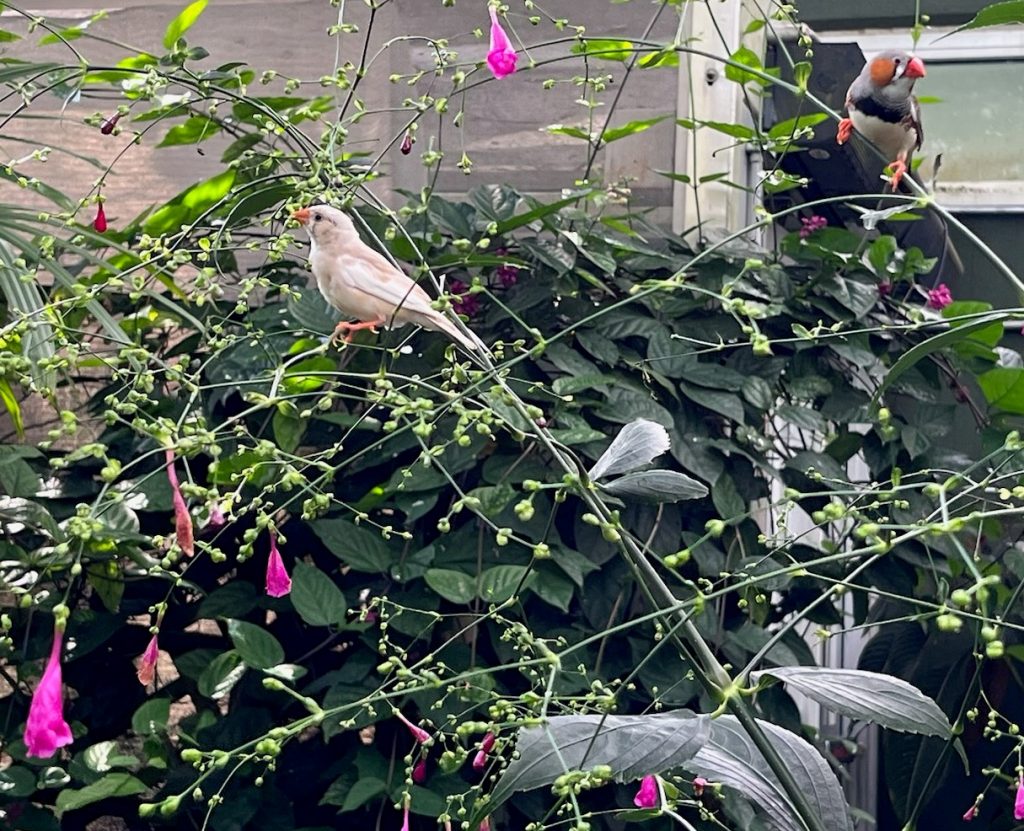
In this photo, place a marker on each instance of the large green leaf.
(632, 746)
(1004, 388)
(358, 547)
(635, 445)
(657, 486)
(730, 756)
(112, 785)
(452, 585)
(258, 648)
(997, 14)
(183, 22)
(190, 204)
(866, 696)
(316, 597)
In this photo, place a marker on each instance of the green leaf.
(744, 56)
(190, 204)
(873, 697)
(998, 14)
(785, 129)
(728, 502)
(566, 130)
(316, 597)
(803, 417)
(151, 717)
(637, 444)
(221, 675)
(258, 648)
(604, 48)
(288, 430)
(362, 549)
(1004, 388)
(968, 309)
(16, 476)
(499, 583)
(730, 756)
(362, 791)
(17, 782)
(657, 486)
(112, 785)
(630, 128)
(12, 406)
(183, 22)
(632, 746)
(553, 588)
(192, 131)
(454, 586)
(7, 37)
(665, 57)
(934, 344)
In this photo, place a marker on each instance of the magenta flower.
(699, 784)
(810, 224)
(463, 302)
(405, 817)
(501, 57)
(46, 729)
(418, 733)
(647, 796)
(217, 517)
(278, 582)
(940, 297)
(100, 222)
(485, 825)
(508, 275)
(407, 142)
(1018, 802)
(182, 518)
(108, 125)
(970, 813)
(884, 288)
(486, 744)
(419, 773)
(147, 662)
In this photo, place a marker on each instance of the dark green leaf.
(657, 486)
(152, 716)
(112, 785)
(258, 648)
(867, 696)
(192, 131)
(316, 597)
(454, 586)
(221, 674)
(499, 583)
(360, 548)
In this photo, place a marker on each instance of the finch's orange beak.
(302, 215)
(915, 68)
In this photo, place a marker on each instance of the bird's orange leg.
(898, 168)
(845, 131)
(349, 328)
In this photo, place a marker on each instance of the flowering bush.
(279, 578)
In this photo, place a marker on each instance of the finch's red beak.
(915, 69)
(302, 214)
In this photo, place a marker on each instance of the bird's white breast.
(892, 139)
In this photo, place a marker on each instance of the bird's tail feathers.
(439, 323)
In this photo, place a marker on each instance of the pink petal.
(418, 733)
(182, 518)
(647, 796)
(1018, 802)
(147, 663)
(46, 730)
(278, 582)
(419, 773)
(501, 57)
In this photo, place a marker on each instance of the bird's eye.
(317, 217)
(896, 61)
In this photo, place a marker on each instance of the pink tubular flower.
(100, 222)
(810, 224)
(407, 142)
(1018, 802)
(418, 733)
(699, 784)
(970, 813)
(405, 817)
(147, 663)
(463, 303)
(501, 57)
(182, 518)
(419, 773)
(46, 729)
(108, 125)
(940, 297)
(647, 796)
(278, 581)
(485, 825)
(486, 744)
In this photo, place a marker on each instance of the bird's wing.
(915, 120)
(371, 275)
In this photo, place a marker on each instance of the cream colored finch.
(361, 283)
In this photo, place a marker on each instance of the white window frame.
(988, 44)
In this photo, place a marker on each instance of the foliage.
(678, 466)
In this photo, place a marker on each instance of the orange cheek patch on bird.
(882, 71)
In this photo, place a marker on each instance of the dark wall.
(838, 14)
(981, 280)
